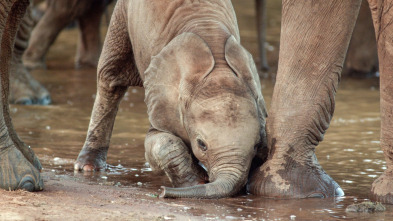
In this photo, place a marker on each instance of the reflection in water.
(350, 152)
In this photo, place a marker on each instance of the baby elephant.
(202, 91)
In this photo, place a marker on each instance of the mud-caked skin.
(57, 15)
(314, 39)
(202, 91)
(19, 166)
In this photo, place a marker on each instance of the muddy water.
(350, 152)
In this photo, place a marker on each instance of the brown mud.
(128, 190)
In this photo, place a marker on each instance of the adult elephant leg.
(58, 15)
(16, 172)
(382, 12)
(362, 58)
(261, 23)
(168, 153)
(314, 39)
(24, 89)
(116, 71)
(20, 72)
(89, 45)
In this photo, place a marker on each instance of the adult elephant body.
(362, 59)
(57, 15)
(202, 91)
(314, 39)
(24, 89)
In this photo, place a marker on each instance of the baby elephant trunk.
(225, 185)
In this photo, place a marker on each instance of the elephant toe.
(339, 192)
(28, 183)
(16, 172)
(85, 167)
(45, 100)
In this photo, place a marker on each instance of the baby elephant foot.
(293, 180)
(382, 188)
(25, 89)
(18, 173)
(91, 159)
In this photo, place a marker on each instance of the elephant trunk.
(225, 185)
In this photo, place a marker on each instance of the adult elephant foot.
(86, 64)
(32, 64)
(25, 89)
(293, 180)
(90, 159)
(16, 172)
(382, 188)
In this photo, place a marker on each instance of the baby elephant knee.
(161, 149)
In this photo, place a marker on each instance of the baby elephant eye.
(202, 145)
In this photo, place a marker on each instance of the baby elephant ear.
(172, 74)
(242, 63)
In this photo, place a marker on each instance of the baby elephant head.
(218, 110)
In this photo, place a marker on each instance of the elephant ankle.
(16, 172)
(382, 188)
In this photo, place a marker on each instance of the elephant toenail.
(45, 100)
(88, 168)
(77, 167)
(339, 192)
(27, 183)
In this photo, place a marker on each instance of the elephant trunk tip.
(163, 192)
(168, 192)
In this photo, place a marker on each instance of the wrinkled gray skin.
(314, 40)
(361, 60)
(202, 92)
(19, 167)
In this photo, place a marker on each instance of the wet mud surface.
(128, 190)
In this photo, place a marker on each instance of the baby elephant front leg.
(168, 153)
